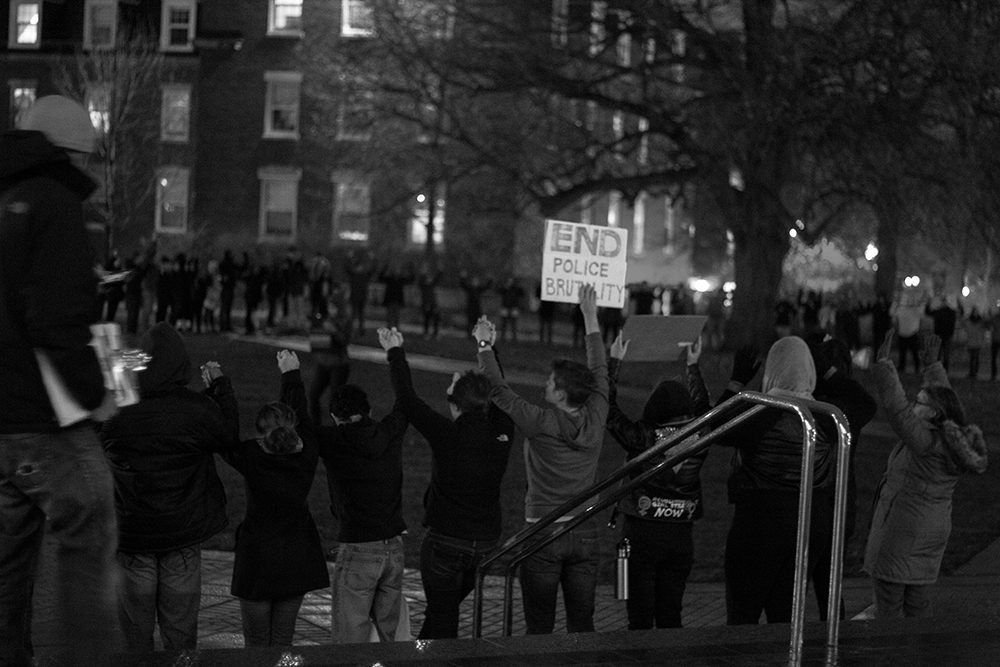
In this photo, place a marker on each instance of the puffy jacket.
(168, 494)
(675, 494)
(911, 521)
(48, 290)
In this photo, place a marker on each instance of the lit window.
(420, 214)
(354, 118)
(172, 199)
(25, 25)
(100, 24)
(560, 23)
(98, 104)
(351, 208)
(357, 19)
(175, 113)
(22, 96)
(598, 30)
(177, 25)
(279, 193)
(285, 17)
(281, 119)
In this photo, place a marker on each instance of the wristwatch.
(483, 344)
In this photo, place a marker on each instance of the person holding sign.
(660, 515)
(563, 445)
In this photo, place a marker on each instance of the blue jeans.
(572, 561)
(270, 622)
(165, 587)
(58, 482)
(366, 589)
(448, 573)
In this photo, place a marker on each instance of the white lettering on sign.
(576, 254)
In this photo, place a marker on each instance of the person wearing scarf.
(911, 521)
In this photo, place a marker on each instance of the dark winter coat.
(278, 551)
(911, 522)
(48, 290)
(167, 492)
(674, 494)
(364, 467)
(470, 457)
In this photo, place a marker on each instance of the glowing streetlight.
(792, 233)
(966, 291)
(871, 252)
(915, 280)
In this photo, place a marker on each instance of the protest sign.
(661, 337)
(575, 254)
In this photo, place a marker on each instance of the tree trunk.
(761, 246)
(887, 242)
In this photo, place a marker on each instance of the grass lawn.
(255, 376)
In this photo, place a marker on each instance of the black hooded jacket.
(674, 495)
(167, 492)
(48, 289)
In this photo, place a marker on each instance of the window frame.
(273, 31)
(349, 30)
(165, 90)
(12, 86)
(170, 172)
(12, 42)
(166, 26)
(88, 26)
(277, 174)
(340, 181)
(281, 77)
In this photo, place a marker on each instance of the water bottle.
(621, 573)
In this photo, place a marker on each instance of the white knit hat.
(64, 122)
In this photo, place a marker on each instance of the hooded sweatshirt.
(48, 289)
(167, 492)
(562, 448)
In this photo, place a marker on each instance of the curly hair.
(276, 422)
(348, 401)
(471, 392)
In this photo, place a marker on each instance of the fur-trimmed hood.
(966, 445)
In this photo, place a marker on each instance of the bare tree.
(120, 87)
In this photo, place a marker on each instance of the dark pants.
(894, 600)
(448, 573)
(658, 568)
(269, 622)
(132, 308)
(572, 561)
(272, 308)
(973, 362)
(432, 321)
(358, 313)
(226, 309)
(545, 329)
(392, 313)
(248, 324)
(58, 482)
(760, 555)
(944, 355)
(333, 376)
(909, 345)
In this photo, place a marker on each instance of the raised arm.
(631, 435)
(421, 415)
(892, 398)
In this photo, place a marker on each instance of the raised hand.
(210, 371)
(930, 349)
(694, 352)
(287, 361)
(588, 300)
(619, 347)
(885, 349)
(484, 331)
(389, 338)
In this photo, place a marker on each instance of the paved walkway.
(974, 590)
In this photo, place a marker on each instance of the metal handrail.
(758, 402)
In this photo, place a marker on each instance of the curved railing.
(721, 420)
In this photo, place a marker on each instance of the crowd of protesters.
(130, 494)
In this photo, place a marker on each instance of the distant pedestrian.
(945, 316)
(319, 286)
(359, 275)
(229, 271)
(511, 303)
(254, 279)
(333, 362)
(428, 281)
(908, 313)
(474, 287)
(912, 515)
(395, 280)
(975, 330)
